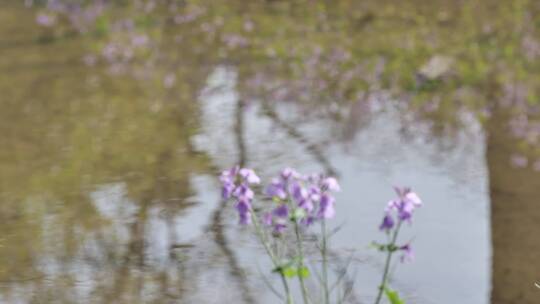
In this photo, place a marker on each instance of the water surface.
(108, 188)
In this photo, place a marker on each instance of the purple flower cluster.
(302, 198)
(236, 183)
(403, 206)
(81, 16)
(399, 210)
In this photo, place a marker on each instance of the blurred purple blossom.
(326, 207)
(227, 189)
(279, 227)
(282, 211)
(243, 206)
(243, 192)
(169, 80)
(249, 176)
(519, 161)
(331, 184)
(276, 189)
(405, 204)
(408, 254)
(312, 193)
(45, 20)
(140, 40)
(308, 197)
(267, 219)
(387, 223)
(248, 26)
(299, 193)
(235, 183)
(289, 173)
(307, 205)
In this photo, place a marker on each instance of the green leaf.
(392, 247)
(393, 296)
(377, 246)
(289, 272)
(303, 272)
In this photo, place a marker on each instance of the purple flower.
(289, 173)
(387, 223)
(405, 193)
(249, 176)
(229, 175)
(227, 190)
(307, 205)
(408, 254)
(276, 189)
(405, 204)
(314, 193)
(243, 192)
(243, 207)
(299, 193)
(282, 211)
(404, 208)
(235, 183)
(308, 196)
(308, 220)
(267, 219)
(326, 207)
(229, 180)
(279, 228)
(331, 184)
(245, 219)
(413, 198)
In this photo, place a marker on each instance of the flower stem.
(324, 263)
(275, 262)
(387, 263)
(301, 262)
(289, 299)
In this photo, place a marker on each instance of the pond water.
(109, 189)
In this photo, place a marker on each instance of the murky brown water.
(108, 188)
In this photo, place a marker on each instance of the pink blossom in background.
(519, 161)
(45, 20)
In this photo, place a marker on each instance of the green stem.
(289, 299)
(275, 262)
(387, 263)
(324, 263)
(301, 262)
